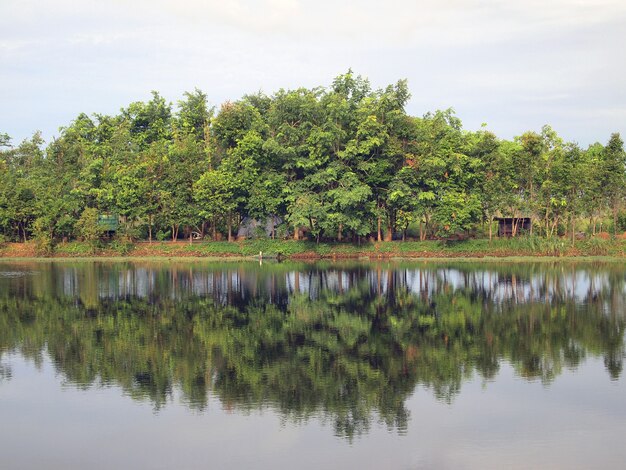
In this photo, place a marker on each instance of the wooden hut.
(510, 226)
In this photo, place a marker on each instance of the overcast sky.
(513, 64)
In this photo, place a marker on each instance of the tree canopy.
(336, 163)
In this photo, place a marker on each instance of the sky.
(515, 65)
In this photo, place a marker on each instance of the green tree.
(214, 194)
(89, 228)
(613, 175)
(494, 180)
(194, 115)
(149, 122)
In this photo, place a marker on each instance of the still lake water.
(280, 365)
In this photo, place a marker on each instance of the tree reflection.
(344, 343)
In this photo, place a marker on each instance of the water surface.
(395, 365)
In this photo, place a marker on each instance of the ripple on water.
(17, 273)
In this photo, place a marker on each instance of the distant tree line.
(336, 163)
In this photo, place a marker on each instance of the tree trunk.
(339, 235)
(150, 229)
(379, 237)
(490, 229)
(553, 227)
(615, 219)
(389, 234)
(230, 228)
(296, 234)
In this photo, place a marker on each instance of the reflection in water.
(5, 372)
(345, 343)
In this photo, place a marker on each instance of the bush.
(44, 242)
(281, 232)
(621, 221)
(128, 233)
(89, 229)
(74, 248)
(597, 246)
(163, 235)
(121, 245)
(258, 233)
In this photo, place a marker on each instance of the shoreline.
(241, 259)
(272, 250)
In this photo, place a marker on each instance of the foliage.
(44, 243)
(89, 228)
(122, 246)
(344, 162)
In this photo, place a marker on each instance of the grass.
(473, 248)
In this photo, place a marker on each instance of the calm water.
(390, 365)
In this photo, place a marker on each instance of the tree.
(494, 181)
(149, 122)
(613, 174)
(591, 179)
(345, 160)
(89, 228)
(446, 174)
(5, 140)
(266, 197)
(186, 159)
(348, 201)
(213, 193)
(194, 115)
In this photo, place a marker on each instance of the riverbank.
(290, 249)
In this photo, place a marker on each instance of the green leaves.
(339, 161)
(214, 193)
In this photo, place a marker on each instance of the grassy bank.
(519, 247)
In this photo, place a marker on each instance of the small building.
(510, 226)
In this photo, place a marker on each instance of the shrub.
(44, 242)
(89, 229)
(121, 245)
(163, 235)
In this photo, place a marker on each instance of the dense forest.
(344, 162)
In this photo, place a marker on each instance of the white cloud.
(480, 56)
(397, 22)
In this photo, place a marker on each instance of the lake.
(192, 364)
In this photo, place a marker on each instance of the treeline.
(335, 163)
